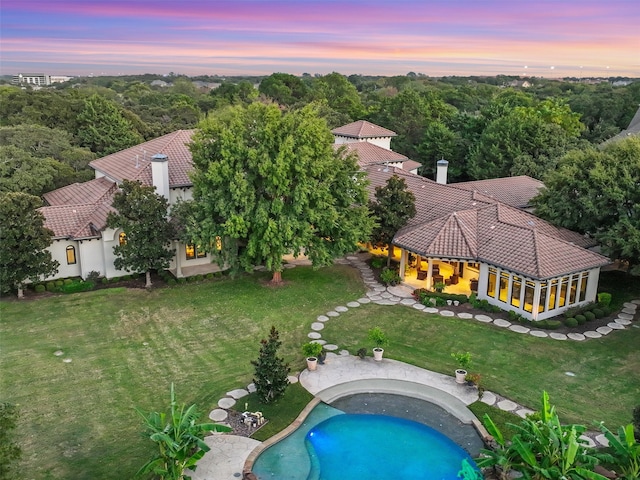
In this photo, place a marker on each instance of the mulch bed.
(236, 422)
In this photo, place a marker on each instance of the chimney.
(160, 174)
(441, 171)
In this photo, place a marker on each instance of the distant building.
(38, 79)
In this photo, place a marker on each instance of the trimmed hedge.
(581, 319)
(40, 288)
(548, 324)
(571, 322)
(590, 316)
(75, 287)
(599, 313)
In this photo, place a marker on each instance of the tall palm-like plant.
(626, 451)
(180, 439)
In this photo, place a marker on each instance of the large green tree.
(179, 437)
(393, 207)
(103, 128)
(596, 191)
(142, 216)
(270, 183)
(23, 242)
(272, 372)
(22, 172)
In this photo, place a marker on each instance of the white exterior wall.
(110, 238)
(183, 194)
(58, 251)
(384, 142)
(91, 257)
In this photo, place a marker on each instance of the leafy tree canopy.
(23, 242)
(596, 191)
(142, 216)
(272, 183)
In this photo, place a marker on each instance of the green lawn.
(78, 419)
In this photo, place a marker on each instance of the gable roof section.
(370, 154)
(362, 129)
(89, 192)
(135, 163)
(77, 222)
(514, 191)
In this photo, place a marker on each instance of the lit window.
(553, 294)
(543, 297)
(71, 255)
(573, 290)
(200, 253)
(504, 286)
(122, 238)
(564, 283)
(218, 243)
(190, 251)
(583, 286)
(529, 290)
(491, 284)
(515, 291)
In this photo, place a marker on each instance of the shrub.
(67, 281)
(209, 276)
(59, 283)
(378, 262)
(93, 276)
(362, 352)
(581, 319)
(40, 288)
(115, 279)
(389, 276)
(51, 286)
(440, 302)
(590, 316)
(604, 299)
(570, 322)
(378, 337)
(311, 349)
(171, 282)
(598, 312)
(104, 280)
(549, 324)
(218, 274)
(199, 278)
(80, 286)
(182, 281)
(636, 422)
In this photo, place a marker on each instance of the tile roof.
(135, 163)
(456, 223)
(81, 193)
(514, 191)
(77, 221)
(362, 129)
(370, 154)
(631, 130)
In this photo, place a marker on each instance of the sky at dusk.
(257, 37)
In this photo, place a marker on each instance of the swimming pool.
(356, 441)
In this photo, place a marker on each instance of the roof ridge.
(466, 230)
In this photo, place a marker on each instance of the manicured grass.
(501, 418)
(606, 385)
(78, 419)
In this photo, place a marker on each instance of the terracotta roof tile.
(514, 191)
(362, 129)
(370, 154)
(77, 221)
(135, 163)
(81, 193)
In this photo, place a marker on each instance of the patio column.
(429, 273)
(178, 264)
(403, 262)
(536, 301)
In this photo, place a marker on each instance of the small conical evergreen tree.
(271, 372)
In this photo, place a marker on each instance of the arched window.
(123, 238)
(71, 255)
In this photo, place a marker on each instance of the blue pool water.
(381, 447)
(332, 445)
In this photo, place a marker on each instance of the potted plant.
(379, 339)
(464, 362)
(312, 350)
(439, 286)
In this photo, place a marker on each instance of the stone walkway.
(228, 453)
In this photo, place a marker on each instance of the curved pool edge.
(448, 402)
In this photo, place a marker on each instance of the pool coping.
(445, 400)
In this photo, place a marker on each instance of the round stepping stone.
(629, 311)
(539, 333)
(218, 415)
(447, 313)
(626, 316)
(333, 314)
(386, 295)
(591, 334)
(602, 440)
(330, 347)
(394, 299)
(489, 398)
(589, 441)
(380, 289)
(578, 337)
(604, 330)
(633, 304)
(558, 336)
(615, 326)
(226, 402)
(292, 379)
(364, 300)
(385, 301)
(418, 306)
(67, 360)
(523, 412)
(570, 374)
(238, 393)
(622, 321)
(353, 304)
(376, 298)
(58, 353)
(519, 329)
(251, 388)
(498, 322)
(465, 315)
(507, 405)
(319, 341)
(484, 318)
(430, 310)
(344, 353)
(407, 301)
(317, 326)
(314, 335)
(341, 309)
(322, 318)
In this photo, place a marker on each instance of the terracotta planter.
(312, 363)
(460, 376)
(377, 354)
